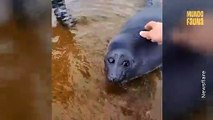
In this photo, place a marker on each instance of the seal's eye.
(111, 60)
(126, 63)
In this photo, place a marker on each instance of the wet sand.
(79, 87)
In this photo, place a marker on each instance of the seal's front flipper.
(149, 3)
(156, 3)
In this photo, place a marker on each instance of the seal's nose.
(113, 78)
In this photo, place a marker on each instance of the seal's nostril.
(112, 78)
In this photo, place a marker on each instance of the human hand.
(154, 32)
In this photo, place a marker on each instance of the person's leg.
(62, 13)
(54, 3)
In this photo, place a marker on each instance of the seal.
(129, 55)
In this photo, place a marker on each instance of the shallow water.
(80, 90)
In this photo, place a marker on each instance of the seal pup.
(129, 55)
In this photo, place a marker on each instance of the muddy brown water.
(79, 87)
(25, 86)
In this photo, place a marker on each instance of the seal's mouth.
(119, 79)
(115, 80)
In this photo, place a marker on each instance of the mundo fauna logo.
(195, 18)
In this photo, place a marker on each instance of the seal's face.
(118, 65)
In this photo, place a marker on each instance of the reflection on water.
(24, 72)
(80, 90)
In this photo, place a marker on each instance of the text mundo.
(194, 18)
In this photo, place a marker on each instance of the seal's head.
(119, 65)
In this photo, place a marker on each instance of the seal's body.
(129, 55)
